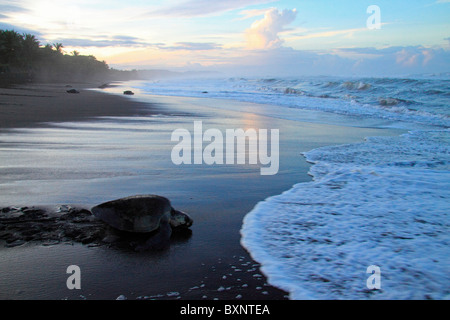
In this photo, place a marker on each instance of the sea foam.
(382, 202)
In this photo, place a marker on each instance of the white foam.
(383, 202)
(360, 98)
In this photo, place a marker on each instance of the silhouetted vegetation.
(23, 58)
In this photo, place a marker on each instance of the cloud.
(102, 41)
(327, 34)
(252, 13)
(192, 46)
(195, 8)
(113, 41)
(11, 7)
(420, 56)
(402, 60)
(390, 61)
(8, 26)
(285, 61)
(407, 57)
(8, 7)
(263, 34)
(399, 58)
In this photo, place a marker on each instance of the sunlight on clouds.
(247, 14)
(263, 34)
(428, 56)
(155, 57)
(407, 58)
(45, 15)
(75, 19)
(100, 53)
(150, 57)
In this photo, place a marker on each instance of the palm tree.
(23, 58)
(30, 49)
(58, 47)
(10, 46)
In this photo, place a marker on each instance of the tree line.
(23, 58)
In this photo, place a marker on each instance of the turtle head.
(180, 219)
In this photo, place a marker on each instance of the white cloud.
(263, 34)
(247, 14)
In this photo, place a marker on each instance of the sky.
(266, 37)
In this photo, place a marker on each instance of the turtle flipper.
(158, 241)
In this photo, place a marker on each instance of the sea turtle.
(143, 214)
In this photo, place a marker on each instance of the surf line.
(235, 147)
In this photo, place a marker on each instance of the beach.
(30, 106)
(196, 151)
(83, 149)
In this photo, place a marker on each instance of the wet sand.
(34, 104)
(133, 143)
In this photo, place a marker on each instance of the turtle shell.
(142, 213)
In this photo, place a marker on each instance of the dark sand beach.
(31, 105)
(83, 149)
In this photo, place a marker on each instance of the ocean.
(383, 201)
(419, 100)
